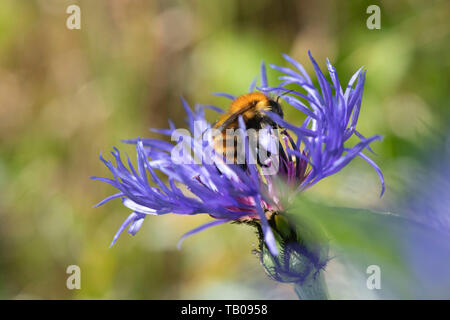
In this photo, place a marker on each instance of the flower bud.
(303, 255)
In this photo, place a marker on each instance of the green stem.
(313, 288)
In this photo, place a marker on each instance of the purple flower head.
(225, 192)
(168, 180)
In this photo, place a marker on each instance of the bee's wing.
(231, 118)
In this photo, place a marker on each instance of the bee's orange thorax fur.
(258, 100)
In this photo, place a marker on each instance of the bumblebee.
(251, 107)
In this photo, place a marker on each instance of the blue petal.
(263, 75)
(223, 94)
(377, 169)
(198, 229)
(127, 221)
(114, 196)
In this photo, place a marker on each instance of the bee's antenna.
(280, 95)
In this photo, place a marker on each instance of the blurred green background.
(68, 95)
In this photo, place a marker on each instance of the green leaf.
(414, 259)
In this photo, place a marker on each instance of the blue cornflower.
(230, 192)
(225, 192)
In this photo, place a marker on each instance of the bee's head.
(275, 107)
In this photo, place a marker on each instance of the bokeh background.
(68, 95)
